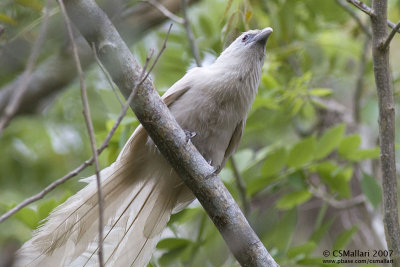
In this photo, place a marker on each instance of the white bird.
(141, 190)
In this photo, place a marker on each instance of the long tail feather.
(140, 192)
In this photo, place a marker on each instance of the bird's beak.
(262, 36)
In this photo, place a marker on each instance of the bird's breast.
(213, 117)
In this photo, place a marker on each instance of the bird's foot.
(216, 169)
(189, 135)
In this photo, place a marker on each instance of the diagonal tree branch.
(383, 82)
(170, 139)
(369, 11)
(352, 13)
(57, 71)
(363, 7)
(88, 162)
(17, 95)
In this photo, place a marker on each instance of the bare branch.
(383, 81)
(165, 11)
(352, 13)
(17, 95)
(363, 7)
(391, 35)
(105, 73)
(338, 204)
(89, 125)
(47, 190)
(53, 74)
(104, 145)
(241, 186)
(166, 133)
(189, 33)
(370, 12)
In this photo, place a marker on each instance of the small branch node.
(395, 29)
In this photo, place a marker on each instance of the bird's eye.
(244, 38)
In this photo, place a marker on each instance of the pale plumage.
(140, 189)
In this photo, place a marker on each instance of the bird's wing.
(234, 142)
(169, 97)
(180, 87)
(172, 97)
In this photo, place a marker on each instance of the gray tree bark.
(383, 80)
(170, 139)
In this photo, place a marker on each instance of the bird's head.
(248, 47)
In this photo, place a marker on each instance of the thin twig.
(165, 11)
(390, 36)
(241, 186)
(352, 13)
(369, 11)
(189, 33)
(104, 145)
(107, 75)
(89, 125)
(155, 60)
(47, 190)
(338, 204)
(363, 7)
(18, 94)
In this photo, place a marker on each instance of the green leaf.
(344, 238)
(320, 91)
(34, 4)
(28, 217)
(244, 159)
(173, 243)
(349, 149)
(281, 234)
(297, 105)
(7, 19)
(293, 199)
(258, 184)
(336, 177)
(349, 145)
(304, 249)
(371, 189)
(184, 216)
(321, 231)
(269, 81)
(205, 25)
(266, 102)
(301, 153)
(363, 154)
(45, 208)
(329, 141)
(274, 162)
(171, 256)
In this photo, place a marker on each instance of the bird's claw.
(189, 135)
(216, 169)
